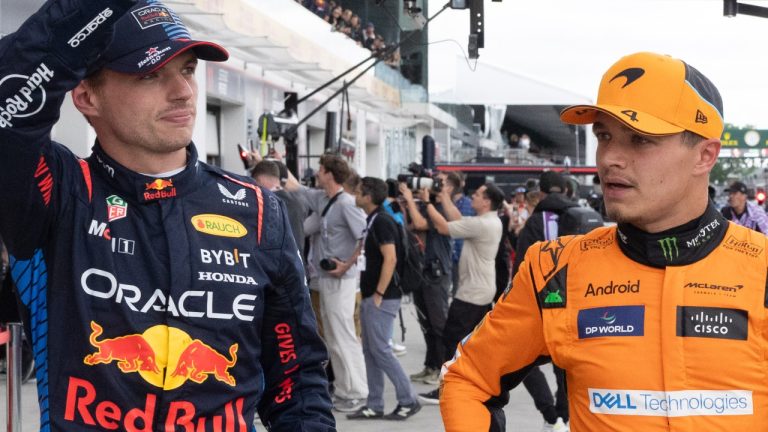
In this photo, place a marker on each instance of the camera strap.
(330, 203)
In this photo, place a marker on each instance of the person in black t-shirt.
(381, 301)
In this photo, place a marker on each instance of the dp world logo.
(669, 248)
(611, 321)
(608, 319)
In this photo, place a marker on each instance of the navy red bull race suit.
(155, 304)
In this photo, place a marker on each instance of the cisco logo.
(712, 322)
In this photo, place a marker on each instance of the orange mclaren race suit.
(656, 332)
(172, 304)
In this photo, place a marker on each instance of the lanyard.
(367, 230)
(325, 211)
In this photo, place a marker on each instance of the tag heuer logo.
(117, 208)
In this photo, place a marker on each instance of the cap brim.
(637, 120)
(139, 62)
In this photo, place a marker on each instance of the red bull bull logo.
(131, 352)
(199, 360)
(165, 357)
(159, 184)
(157, 189)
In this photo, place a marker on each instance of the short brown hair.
(267, 168)
(691, 138)
(454, 178)
(335, 165)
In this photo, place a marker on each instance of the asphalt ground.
(521, 414)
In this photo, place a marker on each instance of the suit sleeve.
(296, 388)
(39, 64)
(494, 358)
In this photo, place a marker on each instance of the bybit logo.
(669, 248)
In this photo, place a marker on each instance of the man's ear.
(708, 151)
(85, 99)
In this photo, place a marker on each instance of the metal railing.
(13, 338)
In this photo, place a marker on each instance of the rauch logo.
(218, 225)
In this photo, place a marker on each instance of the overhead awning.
(533, 106)
(508, 88)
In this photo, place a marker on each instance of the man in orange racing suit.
(660, 321)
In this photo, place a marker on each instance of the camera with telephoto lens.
(327, 264)
(420, 178)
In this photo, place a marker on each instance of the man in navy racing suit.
(157, 301)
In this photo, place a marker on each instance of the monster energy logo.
(669, 248)
(553, 297)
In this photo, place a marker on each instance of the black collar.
(678, 246)
(377, 210)
(145, 188)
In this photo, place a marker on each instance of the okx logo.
(669, 248)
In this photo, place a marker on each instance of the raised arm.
(48, 56)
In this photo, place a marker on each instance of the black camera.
(420, 178)
(327, 264)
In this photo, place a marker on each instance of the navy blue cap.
(737, 186)
(148, 36)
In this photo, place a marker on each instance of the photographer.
(477, 265)
(464, 205)
(432, 300)
(335, 256)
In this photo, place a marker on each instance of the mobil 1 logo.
(712, 322)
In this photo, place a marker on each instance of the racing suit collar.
(678, 246)
(142, 187)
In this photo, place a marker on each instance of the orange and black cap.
(655, 95)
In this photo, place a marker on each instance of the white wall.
(73, 130)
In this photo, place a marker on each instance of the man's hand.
(253, 158)
(274, 154)
(444, 196)
(424, 194)
(377, 299)
(407, 194)
(341, 268)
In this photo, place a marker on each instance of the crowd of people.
(349, 23)
(353, 243)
